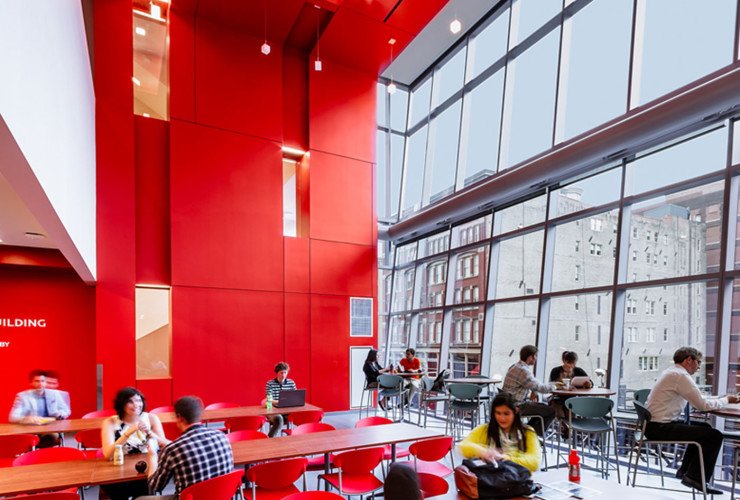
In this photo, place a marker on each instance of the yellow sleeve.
(476, 443)
(530, 458)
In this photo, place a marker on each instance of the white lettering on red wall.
(22, 323)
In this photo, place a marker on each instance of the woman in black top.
(372, 369)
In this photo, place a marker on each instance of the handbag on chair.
(483, 479)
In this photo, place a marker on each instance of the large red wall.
(66, 344)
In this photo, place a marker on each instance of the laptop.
(290, 398)
(579, 382)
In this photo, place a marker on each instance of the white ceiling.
(436, 38)
(16, 220)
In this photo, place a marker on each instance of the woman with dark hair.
(372, 369)
(568, 369)
(505, 437)
(136, 431)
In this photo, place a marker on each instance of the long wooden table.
(83, 424)
(33, 478)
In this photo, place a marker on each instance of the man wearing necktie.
(35, 405)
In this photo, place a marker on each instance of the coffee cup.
(566, 383)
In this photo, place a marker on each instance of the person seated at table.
(666, 402)
(521, 384)
(273, 388)
(402, 483)
(197, 455)
(136, 431)
(372, 369)
(38, 405)
(505, 437)
(411, 364)
(52, 382)
(567, 370)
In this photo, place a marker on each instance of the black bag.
(505, 479)
(439, 383)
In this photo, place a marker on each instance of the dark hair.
(36, 373)
(402, 483)
(372, 356)
(527, 351)
(506, 399)
(190, 408)
(686, 352)
(123, 396)
(282, 366)
(570, 357)
(411, 351)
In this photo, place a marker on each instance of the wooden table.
(729, 411)
(100, 471)
(83, 424)
(594, 391)
(474, 380)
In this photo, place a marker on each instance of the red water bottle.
(574, 467)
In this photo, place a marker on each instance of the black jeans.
(544, 411)
(701, 432)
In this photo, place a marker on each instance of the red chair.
(59, 495)
(314, 495)
(90, 442)
(355, 476)
(372, 421)
(222, 405)
(99, 414)
(254, 423)
(427, 453)
(236, 436)
(13, 445)
(171, 430)
(162, 409)
(303, 417)
(217, 488)
(314, 463)
(431, 485)
(49, 455)
(274, 480)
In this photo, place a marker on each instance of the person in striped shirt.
(273, 388)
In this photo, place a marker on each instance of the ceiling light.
(455, 27)
(391, 88)
(317, 65)
(35, 236)
(265, 48)
(140, 31)
(145, 115)
(136, 81)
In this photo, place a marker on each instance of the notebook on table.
(290, 398)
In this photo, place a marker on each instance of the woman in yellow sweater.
(505, 437)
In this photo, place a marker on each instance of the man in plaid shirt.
(198, 454)
(521, 384)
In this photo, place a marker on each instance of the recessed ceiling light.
(35, 236)
(145, 115)
(140, 31)
(136, 81)
(455, 27)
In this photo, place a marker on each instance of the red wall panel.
(116, 209)
(298, 340)
(341, 268)
(226, 196)
(225, 342)
(341, 199)
(38, 257)
(182, 63)
(158, 392)
(66, 344)
(152, 201)
(236, 87)
(342, 112)
(330, 343)
(296, 265)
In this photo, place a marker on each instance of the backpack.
(482, 479)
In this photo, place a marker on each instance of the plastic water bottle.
(268, 404)
(118, 455)
(574, 467)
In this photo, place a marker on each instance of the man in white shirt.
(666, 403)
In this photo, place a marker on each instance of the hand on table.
(732, 399)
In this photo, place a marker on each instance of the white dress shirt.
(671, 392)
